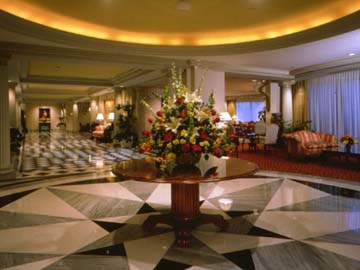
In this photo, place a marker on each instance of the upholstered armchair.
(270, 137)
(307, 143)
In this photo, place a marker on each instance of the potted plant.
(126, 134)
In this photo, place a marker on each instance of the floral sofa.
(306, 143)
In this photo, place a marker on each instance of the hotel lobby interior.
(100, 99)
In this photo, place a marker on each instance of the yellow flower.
(170, 157)
(182, 141)
(193, 140)
(169, 145)
(355, 141)
(183, 133)
(175, 142)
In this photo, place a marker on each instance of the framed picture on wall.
(44, 114)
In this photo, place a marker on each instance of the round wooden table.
(185, 212)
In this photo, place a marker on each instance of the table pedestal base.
(185, 214)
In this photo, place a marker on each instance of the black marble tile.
(241, 258)
(13, 197)
(109, 226)
(167, 265)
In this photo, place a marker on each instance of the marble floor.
(277, 221)
(91, 220)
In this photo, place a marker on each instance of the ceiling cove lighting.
(351, 54)
(256, 32)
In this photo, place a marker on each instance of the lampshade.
(225, 116)
(111, 116)
(100, 117)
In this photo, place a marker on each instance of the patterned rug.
(276, 160)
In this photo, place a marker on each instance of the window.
(247, 111)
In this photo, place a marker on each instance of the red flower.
(168, 137)
(185, 147)
(145, 149)
(204, 136)
(213, 112)
(146, 133)
(217, 120)
(217, 153)
(196, 148)
(178, 101)
(150, 120)
(183, 113)
(160, 114)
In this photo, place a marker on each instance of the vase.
(348, 148)
(187, 159)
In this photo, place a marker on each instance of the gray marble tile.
(200, 255)
(349, 237)
(16, 220)
(90, 262)
(128, 232)
(140, 189)
(12, 259)
(296, 255)
(94, 206)
(255, 198)
(325, 204)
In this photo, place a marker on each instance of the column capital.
(288, 83)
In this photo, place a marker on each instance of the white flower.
(192, 97)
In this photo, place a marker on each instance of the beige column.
(287, 106)
(5, 162)
(93, 109)
(12, 105)
(69, 116)
(100, 105)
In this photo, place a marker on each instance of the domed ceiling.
(182, 22)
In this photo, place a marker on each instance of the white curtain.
(334, 103)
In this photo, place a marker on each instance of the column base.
(4, 171)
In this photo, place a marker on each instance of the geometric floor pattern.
(276, 222)
(58, 153)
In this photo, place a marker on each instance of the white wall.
(32, 115)
(142, 113)
(213, 80)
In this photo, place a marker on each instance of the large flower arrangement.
(348, 140)
(185, 125)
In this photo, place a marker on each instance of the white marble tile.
(147, 252)
(232, 186)
(161, 195)
(301, 225)
(291, 192)
(62, 238)
(350, 251)
(226, 242)
(114, 190)
(35, 265)
(43, 202)
(208, 208)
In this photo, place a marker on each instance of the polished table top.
(212, 170)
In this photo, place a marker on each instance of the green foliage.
(125, 123)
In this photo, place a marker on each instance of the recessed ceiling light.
(351, 54)
(183, 5)
(254, 80)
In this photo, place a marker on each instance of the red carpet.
(276, 160)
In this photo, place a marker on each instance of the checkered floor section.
(58, 153)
